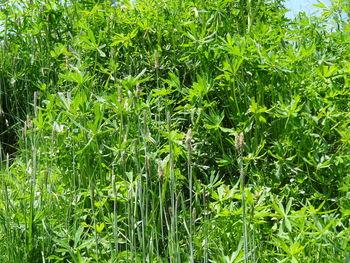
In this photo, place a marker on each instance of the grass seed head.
(67, 62)
(28, 124)
(188, 138)
(156, 58)
(195, 10)
(239, 142)
(120, 95)
(160, 169)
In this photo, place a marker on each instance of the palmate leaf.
(213, 119)
(162, 92)
(289, 110)
(199, 89)
(327, 71)
(76, 76)
(130, 81)
(226, 160)
(173, 81)
(126, 40)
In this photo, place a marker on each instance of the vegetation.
(174, 131)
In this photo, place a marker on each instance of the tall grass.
(129, 112)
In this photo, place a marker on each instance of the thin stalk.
(253, 236)
(173, 220)
(250, 16)
(141, 182)
(32, 185)
(206, 205)
(133, 199)
(140, 200)
(92, 193)
(115, 222)
(242, 11)
(161, 199)
(190, 185)
(6, 219)
(239, 146)
(148, 174)
(131, 217)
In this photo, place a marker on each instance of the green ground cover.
(173, 131)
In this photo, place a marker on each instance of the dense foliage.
(174, 131)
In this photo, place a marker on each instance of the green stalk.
(32, 185)
(173, 244)
(252, 248)
(190, 185)
(250, 16)
(92, 193)
(161, 199)
(115, 222)
(7, 216)
(206, 224)
(139, 199)
(242, 11)
(148, 174)
(239, 146)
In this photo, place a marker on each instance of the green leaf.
(100, 227)
(78, 234)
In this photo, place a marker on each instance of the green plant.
(118, 124)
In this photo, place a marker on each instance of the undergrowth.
(174, 131)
